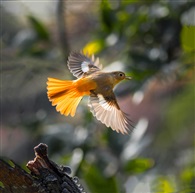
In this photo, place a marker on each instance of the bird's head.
(118, 76)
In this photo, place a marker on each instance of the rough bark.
(45, 176)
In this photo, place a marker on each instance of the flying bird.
(91, 81)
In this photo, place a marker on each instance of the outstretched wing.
(106, 110)
(78, 64)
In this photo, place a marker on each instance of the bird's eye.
(120, 74)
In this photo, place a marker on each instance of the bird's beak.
(128, 78)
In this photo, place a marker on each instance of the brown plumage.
(91, 81)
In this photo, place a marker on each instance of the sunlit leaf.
(163, 184)
(93, 47)
(188, 38)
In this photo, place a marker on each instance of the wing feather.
(79, 64)
(108, 112)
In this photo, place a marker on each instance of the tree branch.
(45, 177)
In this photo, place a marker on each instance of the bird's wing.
(106, 110)
(78, 64)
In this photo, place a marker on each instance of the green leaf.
(107, 15)
(138, 165)
(39, 28)
(188, 38)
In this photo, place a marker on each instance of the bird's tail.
(64, 95)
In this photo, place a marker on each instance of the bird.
(95, 83)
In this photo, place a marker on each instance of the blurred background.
(152, 41)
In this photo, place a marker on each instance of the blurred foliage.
(38, 42)
(163, 184)
(188, 38)
(138, 165)
(97, 182)
(39, 28)
(93, 47)
(153, 42)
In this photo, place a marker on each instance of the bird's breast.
(103, 81)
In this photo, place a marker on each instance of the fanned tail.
(64, 95)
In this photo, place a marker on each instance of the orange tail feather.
(64, 95)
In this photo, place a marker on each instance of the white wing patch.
(85, 66)
(109, 114)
